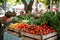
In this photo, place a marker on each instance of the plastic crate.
(8, 36)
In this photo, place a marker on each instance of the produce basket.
(27, 36)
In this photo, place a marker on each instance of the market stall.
(28, 25)
(31, 27)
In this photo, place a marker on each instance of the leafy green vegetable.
(48, 18)
(51, 19)
(58, 15)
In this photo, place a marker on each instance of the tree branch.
(31, 2)
(24, 2)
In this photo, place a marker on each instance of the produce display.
(22, 26)
(49, 18)
(34, 29)
(47, 24)
(13, 25)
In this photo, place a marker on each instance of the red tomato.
(26, 26)
(17, 27)
(27, 31)
(37, 33)
(37, 27)
(36, 30)
(44, 25)
(44, 29)
(51, 31)
(32, 28)
(22, 29)
(45, 33)
(33, 32)
(54, 30)
(41, 30)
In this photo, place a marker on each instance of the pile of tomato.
(22, 26)
(34, 29)
(47, 29)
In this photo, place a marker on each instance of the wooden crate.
(12, 29)
(51, 36)
(14, 32)
(27, 36)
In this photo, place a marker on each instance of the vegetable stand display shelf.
(27, 36)
(8, 36)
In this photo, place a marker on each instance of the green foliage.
(31, 20)
(45, 18)
(27, 16)
(58, 15)
(2, 1)
(48, 18)
(47, 2)
(51, 19)
(18, 18)
(17, 0)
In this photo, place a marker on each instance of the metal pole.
(59, 5)
(50, 4)
(5, 5)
